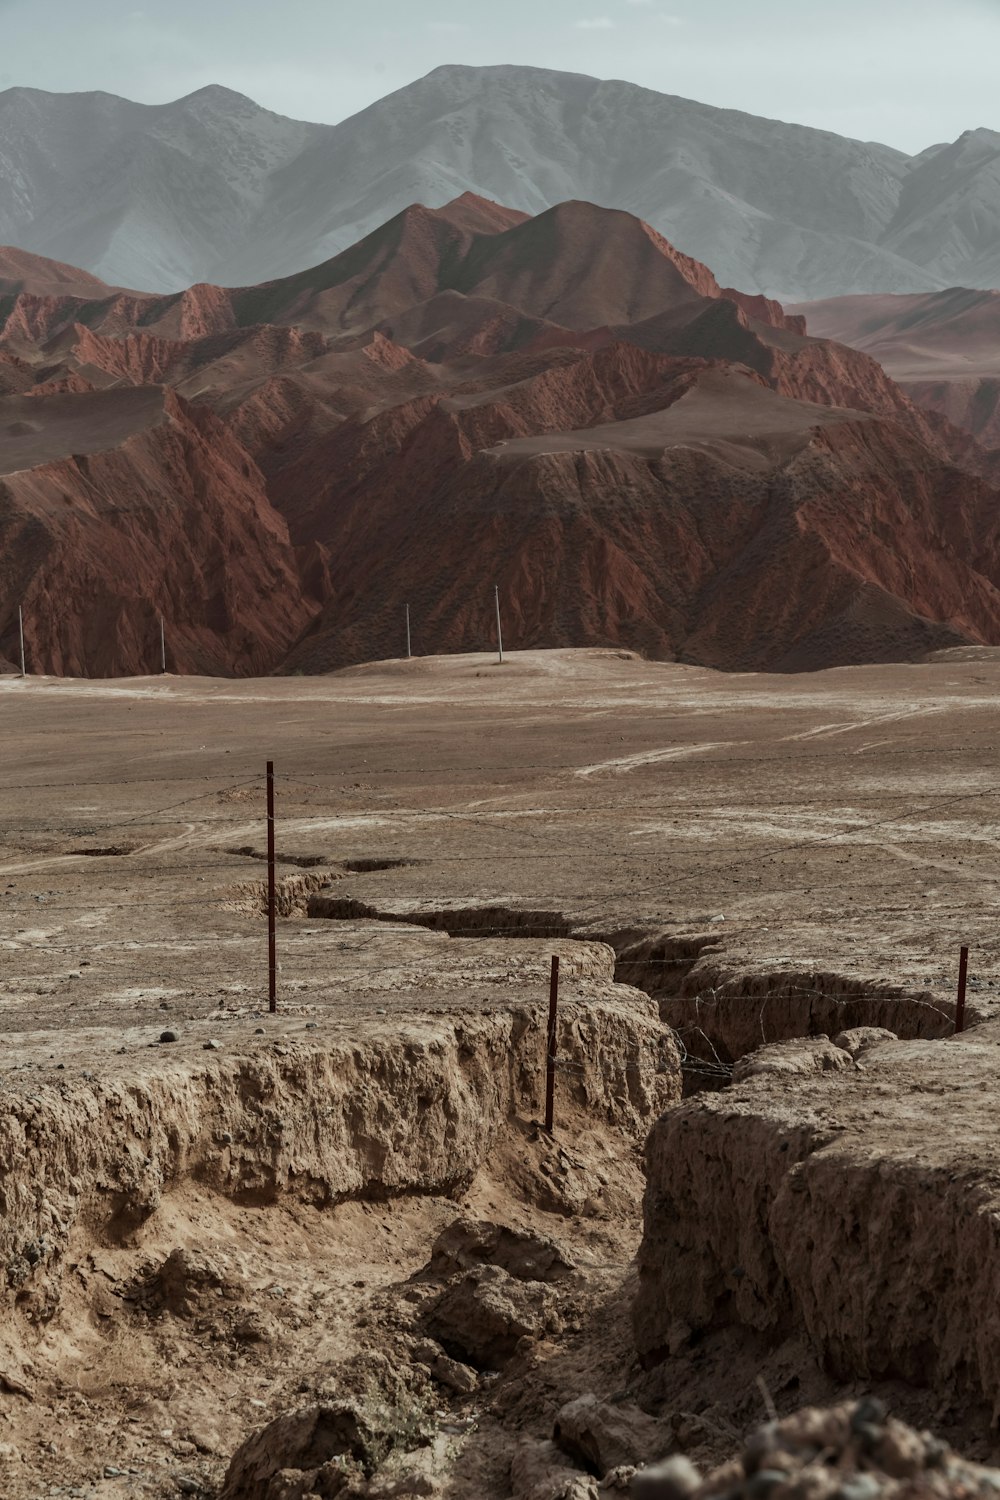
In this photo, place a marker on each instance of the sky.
(909, 73)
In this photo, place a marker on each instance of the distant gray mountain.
(214, 188)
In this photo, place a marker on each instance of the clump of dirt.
(469, 1243)
(854, 1451)
(798, 1056)
(333, 1445)
(481, 1316)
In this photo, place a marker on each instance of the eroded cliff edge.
(861, 1206)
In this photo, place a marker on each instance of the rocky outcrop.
(128, 506)
(678, 533)
(943, 349)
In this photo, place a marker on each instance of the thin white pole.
(20, 626)
(163, 646)
(409, 653)
(496, 596)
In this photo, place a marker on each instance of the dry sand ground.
(766, 837)
(845, 821)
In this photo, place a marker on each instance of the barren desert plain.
(330, 1250)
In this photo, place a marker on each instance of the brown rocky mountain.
(942, 348)
(565, 406)
(128, 504)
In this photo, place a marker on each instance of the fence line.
(533, 926)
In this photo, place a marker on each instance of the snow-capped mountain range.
(214, 188)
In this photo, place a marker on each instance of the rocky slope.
(119, 507)
(565, 406)
(213, 188)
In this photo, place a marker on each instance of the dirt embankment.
(860, 1206)
(411, 1108)
(191, 1226)
(720, 1014)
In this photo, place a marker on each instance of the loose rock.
(859, 1038)
(602, 1437)
(481, 1316)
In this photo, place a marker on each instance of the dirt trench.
(721, 1017)
(409, 1107)
(151, 1206)
(718, 1016)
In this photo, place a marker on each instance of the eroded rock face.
(788, 506)
(860, 1206)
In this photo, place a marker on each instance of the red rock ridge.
(96, 546)
(567, 404)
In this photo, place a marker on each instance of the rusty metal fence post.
(272, 945)
(963, 975)
(550, 1050)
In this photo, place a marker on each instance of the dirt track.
(782, 842)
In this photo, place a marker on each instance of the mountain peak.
(217, 95)
(481, 215)
(213, 187)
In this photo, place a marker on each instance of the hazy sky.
(908, 72)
